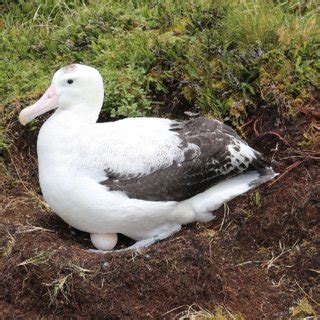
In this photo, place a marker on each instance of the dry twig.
(288, 169)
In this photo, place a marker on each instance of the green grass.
(222, 57)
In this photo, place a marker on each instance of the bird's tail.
(210, 200)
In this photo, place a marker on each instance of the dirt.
(259, 258)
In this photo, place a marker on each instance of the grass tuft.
(220, 313)
(222, 57)
(41, 258)
(303, 309)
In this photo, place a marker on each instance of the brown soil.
(258, 258)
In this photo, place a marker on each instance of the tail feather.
(265, 175)
(225, 191)
(259, 161)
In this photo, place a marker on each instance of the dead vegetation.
(258, 259)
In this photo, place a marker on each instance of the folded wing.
(211, 152)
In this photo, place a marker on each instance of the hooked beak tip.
(47, 102)
(22, 119)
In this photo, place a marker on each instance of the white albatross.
(142, 177)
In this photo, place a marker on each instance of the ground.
(253, 64)
(258, 259)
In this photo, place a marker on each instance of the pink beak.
(47, 102)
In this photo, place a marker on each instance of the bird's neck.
(64, 128)
(77, 114)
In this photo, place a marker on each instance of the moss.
(302, 309)
(226, 56)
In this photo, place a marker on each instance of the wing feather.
(211, 152)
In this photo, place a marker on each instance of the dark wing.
(207, 160)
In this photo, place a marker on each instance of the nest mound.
(257, 259)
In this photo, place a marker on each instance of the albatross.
(141, 177)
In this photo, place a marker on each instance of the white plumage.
(115, 177)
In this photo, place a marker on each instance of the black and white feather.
(211, 152)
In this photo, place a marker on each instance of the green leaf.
(257, 198)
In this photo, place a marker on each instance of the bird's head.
(75, 87)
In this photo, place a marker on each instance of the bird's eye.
(70, 81)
